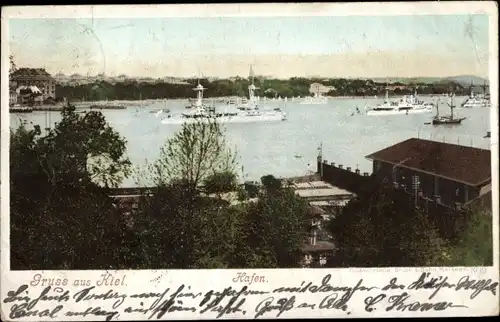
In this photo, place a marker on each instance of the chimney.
(325, 161)
(365, 174)
(349, 169)
(332, 164)
(341, 166)
(357, 171)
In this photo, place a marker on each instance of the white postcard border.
(205, 280)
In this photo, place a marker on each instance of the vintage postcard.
(249, 161)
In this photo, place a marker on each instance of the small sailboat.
(165, 110)
(316, 99)
(440, 120)
(162, 111)
(356, 112)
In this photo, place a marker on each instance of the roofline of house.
(370, 157)
(427, 140)
(37, 75)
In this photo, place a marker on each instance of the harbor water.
(290, 148)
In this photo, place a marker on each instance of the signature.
(399, 304)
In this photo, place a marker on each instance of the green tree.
(179, 227)
(475, 247)
(195, 152)
(270, 183)
(60, 217)
(275, 229)
(220, 182)
(178, 230)
(381, 228)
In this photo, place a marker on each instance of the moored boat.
(316, 99)
(408, 104)
(164, 110)
(476, 100)
(208, 113)
(20, 109)
(450, 120)
(224, 117)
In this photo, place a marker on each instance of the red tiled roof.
(463, 164)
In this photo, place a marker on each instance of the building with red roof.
(450, 174)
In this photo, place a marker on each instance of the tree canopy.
(60, 216)
(276, 228)
(267, 87)
(381, 228)
(196, 153)
(187, 228)
(475, 246)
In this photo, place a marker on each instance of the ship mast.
(251, 87)
(471, 88)
(387, 90)
(484, 88)
(451, 105)
(199, 95)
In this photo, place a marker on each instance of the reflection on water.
(270, 148)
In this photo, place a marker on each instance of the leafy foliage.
(220, 182)
(67, 220)
(381, 228)
(60, 218)
(193, 154)
(184, 228)
(276, 229)
(475, 247)
(175, 230)
(270, 183)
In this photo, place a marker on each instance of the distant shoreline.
(261, 100)
(123, 104)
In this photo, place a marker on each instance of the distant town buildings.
(397, 87)
(12, 97)
(28, 81)
(320, 88)
(78, 79)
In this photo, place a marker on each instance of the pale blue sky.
(180, 46)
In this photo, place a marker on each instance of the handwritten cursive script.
(424, 293)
